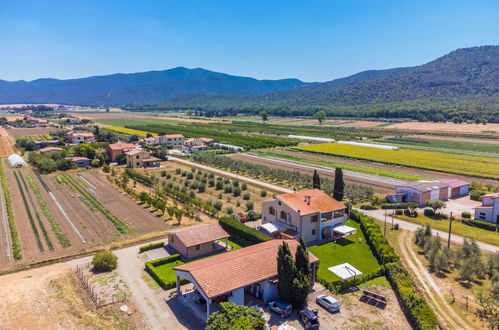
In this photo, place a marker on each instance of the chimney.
(309, 200)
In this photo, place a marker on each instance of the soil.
(459, 139)
(128, 115)
(445, 127)
(5, 144)
(56, 300)
(32, 131)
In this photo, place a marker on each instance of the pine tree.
(316, 182)
(339, 185)
(286, 272)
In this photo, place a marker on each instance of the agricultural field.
(128, 131)
(484, 167)
(30, 137)
(5, 144)
(32, 131)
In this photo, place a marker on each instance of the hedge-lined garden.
(162, 271)
(416, 308)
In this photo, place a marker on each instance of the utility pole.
(450, 230)
(385, 223)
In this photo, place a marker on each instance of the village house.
(151, 141)
(81, 137)
(176, 140)
(199, 240)
(311, 214)
(489, 210)
(137, 158)
(80, 161)
(420, 192)
(115, 149)
(49, 150)
(239, 275)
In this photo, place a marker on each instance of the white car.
(328, 302)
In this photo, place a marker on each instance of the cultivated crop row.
(30, 216)
(485, 167)
(120, 226)
(16, 246)
(63, 240)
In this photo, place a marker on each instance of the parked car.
(283, 308)
(328, 302)
(309, 318)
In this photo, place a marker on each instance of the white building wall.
(237, 296)
(270, 291)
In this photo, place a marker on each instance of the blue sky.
(311, 40)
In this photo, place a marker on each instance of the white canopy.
(345, 271)
(16, 161)
(345, 230)
(269, 227)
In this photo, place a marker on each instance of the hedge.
(416, 308)
(367, 207)
(238, 229)
(391, 206)
(151, 246)
(340, 286)
(480, 224)
(158, 276)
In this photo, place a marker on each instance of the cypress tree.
(302, 260)
(286, 272)
(316, 181)
(300, 288)
(339, 185)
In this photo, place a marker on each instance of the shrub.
(236, 191)
(229, 210)
(429, 212)
(391, 206)
(244, 186)
(190, 176)
(399, 212)
(367, 207)
(106, 168)
(163, 173)
(246, 197)
(227, 189)
(178, 171)
(466, 215)
(249, 206)
(476, 195)
(201, 188)
(263, 193)
(239, 230)
(105, 261)
(151, 246)
(218, 205)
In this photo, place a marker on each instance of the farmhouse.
(81, 137)
(37, 121)
(152, 141)
(137, 158)
(198, 240)
(115, 149)
(175, 140)
(80, 161)
(489, 210)
(457, 188)
(49, 150)
(420, 192)
(239, 275)
(311, 214)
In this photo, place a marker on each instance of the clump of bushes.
(367, 207)
(151, 246)
(466, 215)
(105, 261)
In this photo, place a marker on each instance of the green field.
(348, 249)
(361, 169)
(485, 167)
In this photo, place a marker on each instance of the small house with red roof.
(489, 210)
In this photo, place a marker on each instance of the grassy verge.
(61, 237)
(120, 226)
(347, 249)
(30, 216)
(16, 246)
(457, 228)
(360, 169)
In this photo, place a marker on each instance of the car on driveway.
(309, 318)
(283, 308)
(328, 302)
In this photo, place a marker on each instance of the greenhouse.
(16, 161)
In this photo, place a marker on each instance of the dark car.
(309, 318)
(283, 308)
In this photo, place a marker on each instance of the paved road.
(347, 173)
(232, 175)
(380, 215)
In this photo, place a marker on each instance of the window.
(313, 232)
(271, 210)
(138, 164)
(283, 215)
(279, 203)
(315, 218)
(198, 247)
(137, 157)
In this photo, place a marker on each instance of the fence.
(91, 289)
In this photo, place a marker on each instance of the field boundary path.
(5, 226)
(379, 215)
(235, 176)
(435, 296)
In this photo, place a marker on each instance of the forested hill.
(137, 88)
(465, 80)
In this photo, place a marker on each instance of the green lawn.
(348, 250)
(457, 228)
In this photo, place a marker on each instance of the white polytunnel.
(16, 161)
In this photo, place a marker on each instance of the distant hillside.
(137, 88)
(463, 80)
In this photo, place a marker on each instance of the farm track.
(5, 144)
(5, 227)
(140, 220)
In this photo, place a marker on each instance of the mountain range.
(466, 79)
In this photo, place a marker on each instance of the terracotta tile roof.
(206, 140)
(493, 195)
(121, 146)
(232, 270)
(199, 147)
(172, 136)
(199, 234)
(151, 159)
(84, 134)
(48, 149)
(319, 201)
(454, 183)
(134, 151)
(425, 186)
(190, 140)
(151, 138)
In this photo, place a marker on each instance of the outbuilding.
(16, 161)
(457, 188)
(420, 192)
